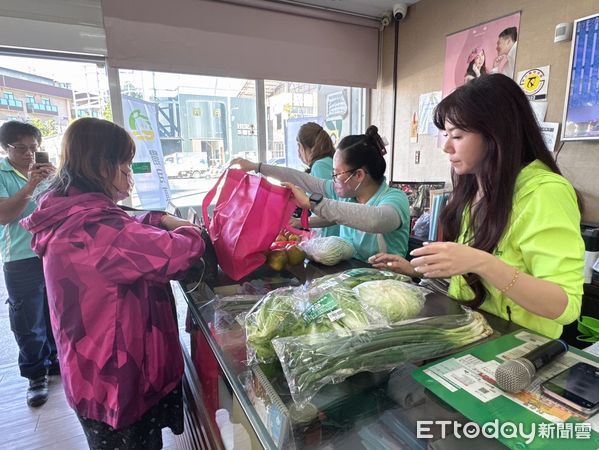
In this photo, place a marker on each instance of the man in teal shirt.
(23, 272)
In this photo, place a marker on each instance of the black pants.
(29, 317)
(145, 434)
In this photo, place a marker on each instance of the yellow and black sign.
(534, 83)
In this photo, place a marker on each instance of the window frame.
(114, 89)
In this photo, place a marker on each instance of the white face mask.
(122, 195)
(343, 189)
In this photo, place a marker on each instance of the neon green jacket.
(542, 239)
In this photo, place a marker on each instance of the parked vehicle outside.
(277, 162)
(186, 165)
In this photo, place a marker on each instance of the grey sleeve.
(319, 222)
(305, 181)
(371, 219)
(313, 222)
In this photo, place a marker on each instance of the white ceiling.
(366, 8)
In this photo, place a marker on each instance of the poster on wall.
(426, 106)
(581, 111)
(486, 48)
(549, 130)
(152, 186)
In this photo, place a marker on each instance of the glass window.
(66, 89)
(194, 124)
(339, 110)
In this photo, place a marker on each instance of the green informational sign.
(460, 381)
(141, 167)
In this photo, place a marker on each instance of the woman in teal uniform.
(316, 151)
(372, 216)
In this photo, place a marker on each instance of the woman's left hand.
(170, 223)
(446, 259)
(302, 200)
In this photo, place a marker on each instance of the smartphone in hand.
(42, 158)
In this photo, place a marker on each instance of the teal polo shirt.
(368, 244)
(323, 168)
(15, 242)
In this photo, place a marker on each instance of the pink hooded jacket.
(110, 302)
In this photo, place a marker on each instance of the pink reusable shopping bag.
(248, 215)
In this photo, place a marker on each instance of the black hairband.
(378, 143)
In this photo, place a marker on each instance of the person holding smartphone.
(20, 179)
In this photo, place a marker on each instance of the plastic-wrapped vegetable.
(292, 312)
(273, 316)
(310, 362)
(353, 277)
(326, 304)
(328, 250)
(394, 300)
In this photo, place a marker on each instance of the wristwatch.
(315, 199)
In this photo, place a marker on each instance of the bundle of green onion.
(312, 361)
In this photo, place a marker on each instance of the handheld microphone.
(516, 375)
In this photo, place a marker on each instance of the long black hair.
(494, 106)
(365, 150)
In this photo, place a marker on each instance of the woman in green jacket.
(512, 226)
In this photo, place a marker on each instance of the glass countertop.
(367, 411)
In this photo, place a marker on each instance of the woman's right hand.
(395, 263)
(38, 173)
(244, 164)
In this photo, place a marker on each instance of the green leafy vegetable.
(394, 300)
(326, 304)
(310, 362)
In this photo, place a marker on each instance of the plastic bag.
(311, 362)
(274, 316)
(297, 312)
(353, 277)
(422, 226)
(394, 300)
(323, 305)
(235, 304)
(328, 250)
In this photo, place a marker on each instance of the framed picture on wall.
(488, 47)
(581, 110)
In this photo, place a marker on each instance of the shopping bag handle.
(303, 221)
(212, 193)
(209, 197)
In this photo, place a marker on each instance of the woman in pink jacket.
(110, 302)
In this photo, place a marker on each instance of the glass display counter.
(367, 411)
